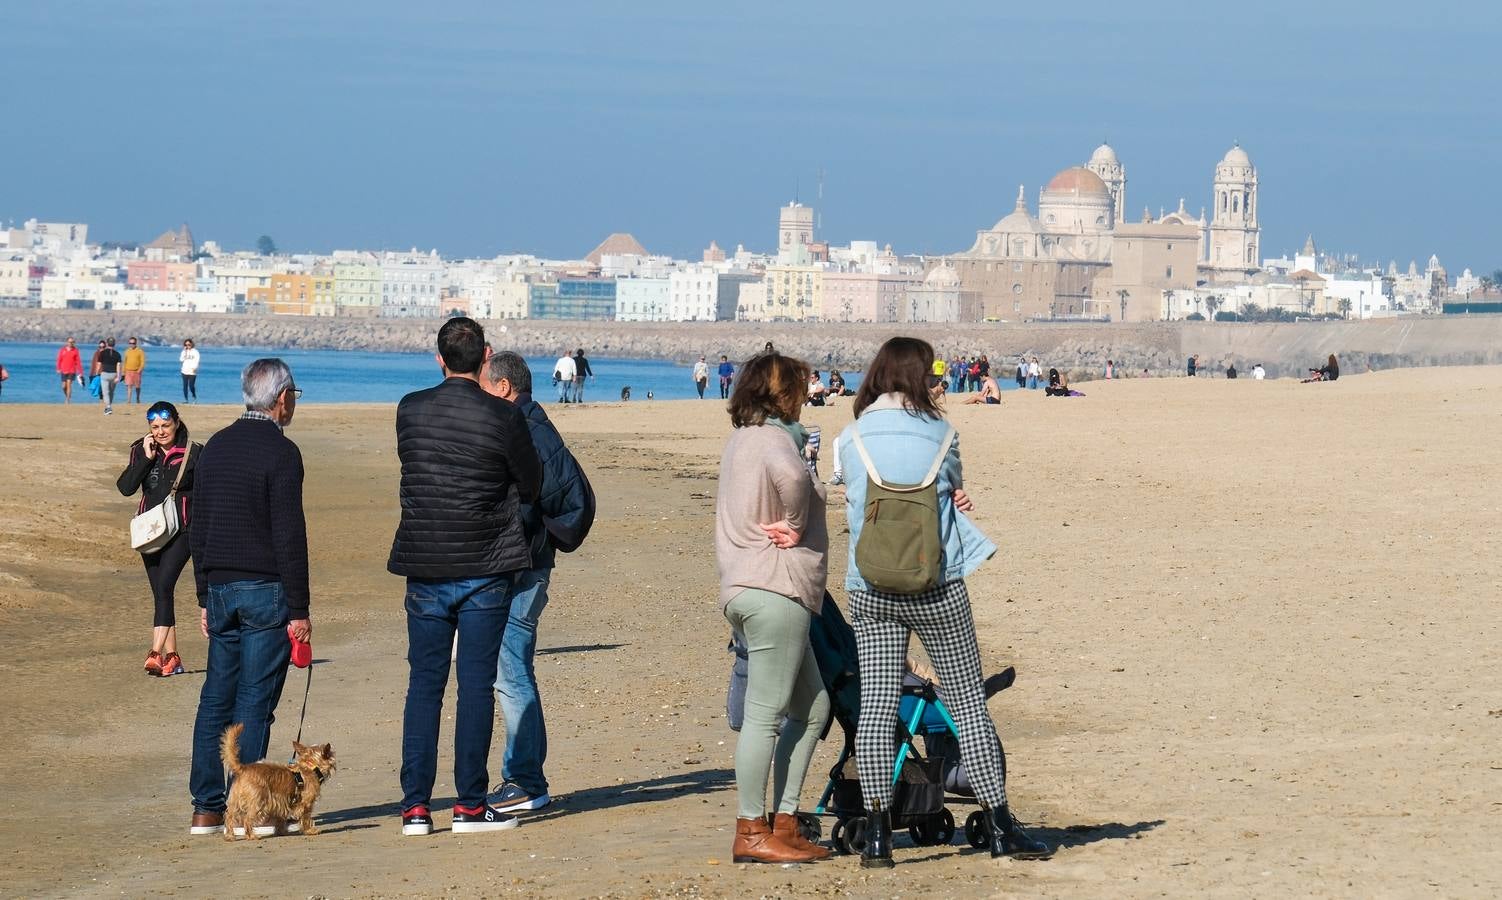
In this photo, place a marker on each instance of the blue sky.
(486, 127)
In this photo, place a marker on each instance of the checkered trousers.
(942, 620)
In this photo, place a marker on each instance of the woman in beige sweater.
(772, 548)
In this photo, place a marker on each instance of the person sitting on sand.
(816, 389)
(1328, 372)
(1058, 385)
(990, 392)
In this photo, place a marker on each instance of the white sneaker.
(292, 827)
(484, 818)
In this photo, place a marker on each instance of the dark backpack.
(898, 551)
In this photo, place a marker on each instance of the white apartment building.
(642, 299)
(172, 301)
(693, 294)
(411, 284)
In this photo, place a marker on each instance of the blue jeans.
(477, 609)
(516, 685)
(1032, 382)
(247, 666)
(565, 387)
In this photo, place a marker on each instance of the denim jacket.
(902, 446)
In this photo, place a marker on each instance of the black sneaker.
(417, 821)
(481, 818)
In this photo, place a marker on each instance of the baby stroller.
(922, 782)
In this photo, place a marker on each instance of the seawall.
(1160, 348)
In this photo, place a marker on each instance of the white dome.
(1104, 156)
(943, 276)
(1236, 157)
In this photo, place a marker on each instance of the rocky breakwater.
(1078, 349)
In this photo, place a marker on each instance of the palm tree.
(1345, 307)
(1212, 303)
(1124, 295)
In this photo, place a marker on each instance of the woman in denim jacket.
(901, 427)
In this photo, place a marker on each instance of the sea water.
(335, 376)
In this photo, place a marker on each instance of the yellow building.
(287, 295)
(793, 294)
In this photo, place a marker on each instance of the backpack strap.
(933, 470)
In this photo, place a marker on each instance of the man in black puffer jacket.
(468, 465)
(559, 520)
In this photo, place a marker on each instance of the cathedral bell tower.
(1235, 236)
(1103, 162)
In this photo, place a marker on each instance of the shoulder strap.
(933, 470)
(183, 466)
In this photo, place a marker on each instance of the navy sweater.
(248, 522)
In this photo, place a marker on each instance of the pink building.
(149, 275)
(866, 297)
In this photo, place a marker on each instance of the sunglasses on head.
(160, 415)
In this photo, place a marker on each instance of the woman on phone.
(772, 550)
(152, 470)
(901, 429)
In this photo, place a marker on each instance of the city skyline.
(480, 132)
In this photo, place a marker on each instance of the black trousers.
(163, 568)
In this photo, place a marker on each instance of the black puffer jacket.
(467, 465)
(564, 512)
(153, 476)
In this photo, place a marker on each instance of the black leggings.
(163, 569)
(190, 383)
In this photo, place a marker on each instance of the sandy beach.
(1255, 626)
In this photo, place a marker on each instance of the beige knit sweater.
(763, 480)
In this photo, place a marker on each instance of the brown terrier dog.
(267, 792)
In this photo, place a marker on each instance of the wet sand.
(1255, 627)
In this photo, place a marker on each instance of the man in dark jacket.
(468, 465)
(249, 542)
(560, 517)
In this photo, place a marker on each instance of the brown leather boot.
(785, 826)
(755, 843)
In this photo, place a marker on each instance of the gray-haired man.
(250, 558)
(558, 520)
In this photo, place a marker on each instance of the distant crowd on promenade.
(109, 370)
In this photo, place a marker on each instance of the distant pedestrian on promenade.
(563, 376)
(1110, 369)
(560, 519)
(250, 561)
(772, 553)
(135, 366)
(468, 465)
(1192, 366)
(188, 359)
(69, 368)
(581, 372)
(701, 376)
(108, 361)
(727, 376)
(153, 468)
(898, 435)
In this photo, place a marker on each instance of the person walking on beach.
(701, 376)
(108, 361)
(69, 368)
(958, 371)
(898, 435)
(581, 372)
(468, 466)
(1021, 374)
(188, 359)
(559, 519)
(135, 366)
(563, 376)
(1034, 374)
(249, 544)
(772, 553)
(155, 463)
(727, 376)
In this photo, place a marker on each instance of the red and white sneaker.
(172, 664)
(417, 821)
(154, 663)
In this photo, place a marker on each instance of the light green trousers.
(782, 687)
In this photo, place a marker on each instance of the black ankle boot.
(1008, 838)
(878, 851)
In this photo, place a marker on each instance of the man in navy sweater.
(250, 558)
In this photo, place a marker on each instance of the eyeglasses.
(160, 415)
(296, 393)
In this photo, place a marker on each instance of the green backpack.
(899, 551)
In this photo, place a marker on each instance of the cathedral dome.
(1078, 180)
(943, 276)
(1236, 157)
(1104, 156)
(1018, 221)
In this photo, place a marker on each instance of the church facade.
(1079, 257)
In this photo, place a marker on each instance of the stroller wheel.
(943, 828)
(975, 830)
(855, 836)
(921, 832)
(837, 837)
(810, 828)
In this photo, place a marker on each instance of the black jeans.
(190, 383)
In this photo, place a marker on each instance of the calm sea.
(337, 376)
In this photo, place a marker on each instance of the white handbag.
(153, 529)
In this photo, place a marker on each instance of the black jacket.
(467, 466)
(154, 479)
(565, 510)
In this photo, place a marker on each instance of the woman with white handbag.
(161, 468)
